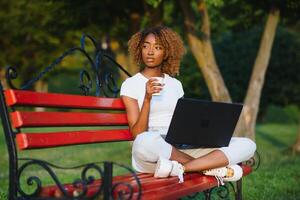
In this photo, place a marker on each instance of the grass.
(277, 178)
(279, 174)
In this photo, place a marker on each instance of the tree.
(202, 49)
(247, 121)
(37, 39)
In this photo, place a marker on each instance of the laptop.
(202, 124)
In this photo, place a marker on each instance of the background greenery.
(37, 32)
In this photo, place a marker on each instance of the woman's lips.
(150, 59)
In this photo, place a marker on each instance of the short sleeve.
(127, 89)
(180, 90)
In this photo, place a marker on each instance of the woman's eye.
(158, 48)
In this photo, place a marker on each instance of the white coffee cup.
(158, 80)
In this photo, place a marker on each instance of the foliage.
(154, 3)
(283, 78)
(236, 54)
(32, 40)
(239, 16)
(289, 9)
(107, 19)
(288, 115)
(192, 81)
(36, 33)
(3, 196)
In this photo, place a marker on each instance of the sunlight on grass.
(277, 178)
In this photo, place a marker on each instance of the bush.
(236, 54)
(288, 115)
(3, 196)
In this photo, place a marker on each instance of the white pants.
(149, 146)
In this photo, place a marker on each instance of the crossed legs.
(214, 159)
(149, 146)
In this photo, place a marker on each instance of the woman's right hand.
(152, 86)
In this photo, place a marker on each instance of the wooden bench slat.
(177, 190)
(39, 99)
(50, 119)
(152, 188)
(54, 139)
(193, 182)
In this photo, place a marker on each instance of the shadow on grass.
(272, 139)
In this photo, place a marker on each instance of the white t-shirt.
(162, 106)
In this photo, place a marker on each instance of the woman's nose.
(150, 52)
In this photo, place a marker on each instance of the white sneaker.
(220, 173)
(165, 168)
(177, 170)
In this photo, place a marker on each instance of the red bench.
(141, 186)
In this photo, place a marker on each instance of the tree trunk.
(296, 146)
(2, 78)
(203, 51)
(40, 86)
(247, 122)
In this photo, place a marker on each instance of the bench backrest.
(82, 111)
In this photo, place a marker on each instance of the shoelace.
(219, 180)
(180, 175)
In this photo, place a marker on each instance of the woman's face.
(152, 51)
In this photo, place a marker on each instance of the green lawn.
(279, 174)
(277, 178)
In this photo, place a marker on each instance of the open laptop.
(202, 124)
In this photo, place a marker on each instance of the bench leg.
(238, 195)
(12, 151)
(207, 194)
(107, 180)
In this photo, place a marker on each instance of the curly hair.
(170, 41)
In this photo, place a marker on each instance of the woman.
(159, 51)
